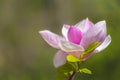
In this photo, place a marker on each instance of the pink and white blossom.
(76, 38)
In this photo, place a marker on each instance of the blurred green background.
(24, 55)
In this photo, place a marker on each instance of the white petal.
(51, 38)
(104, 44)
(65, 30)
(59, 58)
(70, 47)
(84, 25)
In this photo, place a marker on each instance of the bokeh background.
(24, 55)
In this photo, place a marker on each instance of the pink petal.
(51, 38)
(84, 25)
(74, 35)
(70, 47)
(96, 33)
(65, 30)
(59, 59)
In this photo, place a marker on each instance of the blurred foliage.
(25, 56)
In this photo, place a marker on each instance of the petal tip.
(40, 32)
(87, 18)
(104, 22)
(110, 38)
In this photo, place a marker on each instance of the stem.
(71, 77)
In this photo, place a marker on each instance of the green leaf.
(65, 68)
(85, 70)
(75, 65)
(91, 47)
(64, 71)
(71, 58)
(61, 76)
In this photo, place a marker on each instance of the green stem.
(71, 77)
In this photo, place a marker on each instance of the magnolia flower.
(76, 38)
